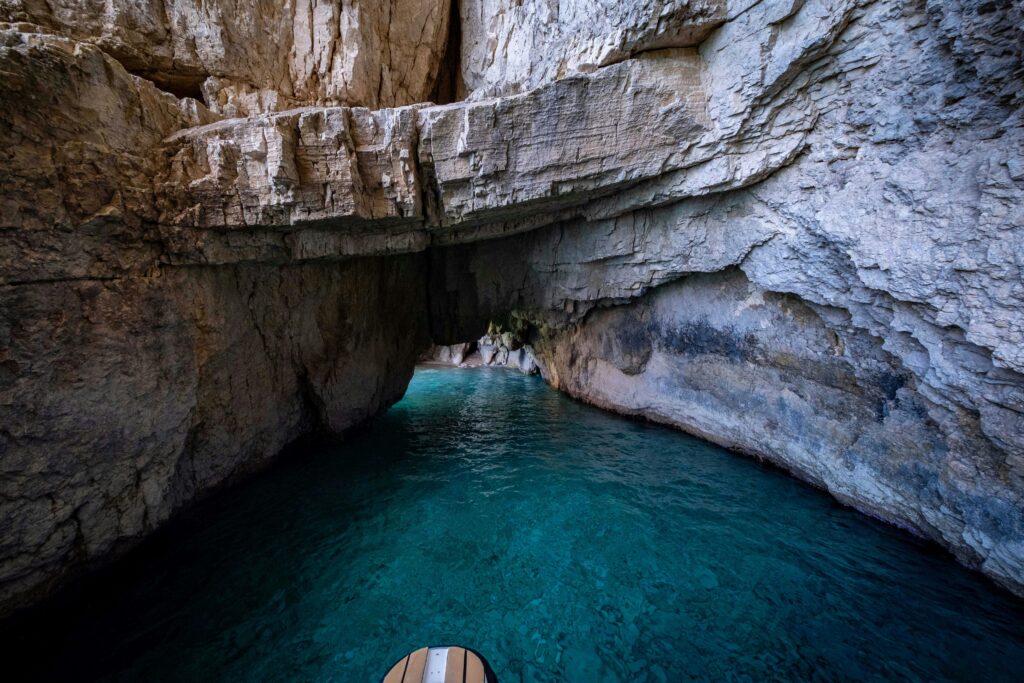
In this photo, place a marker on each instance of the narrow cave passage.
(567, 543)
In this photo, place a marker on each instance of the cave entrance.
(494, 349)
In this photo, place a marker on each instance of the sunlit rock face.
(263, 55)
(794, 228)
(509, 46)
(856, 315)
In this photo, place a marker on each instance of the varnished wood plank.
(417, 663)
(474, 669)
(397, 671)
(455, 668)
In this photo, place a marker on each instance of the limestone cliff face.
(262, 55)
(134, 377)
(855, 316)
(794, 228)
(511, 47)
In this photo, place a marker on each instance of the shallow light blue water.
(564, 543)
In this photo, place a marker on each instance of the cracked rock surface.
(854, 317)
(253, 56)
(794, 228)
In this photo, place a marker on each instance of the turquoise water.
(565, 543)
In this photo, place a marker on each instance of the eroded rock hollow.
(792, 227)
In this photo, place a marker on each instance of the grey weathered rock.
(493, 162)
(448, 354)
(133, 378)
(79, 137)
(256, 56)
(875, 327)
(486, 168)
(334, 168)
(125, 398)
(510, 46)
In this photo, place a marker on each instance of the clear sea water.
(564, 543)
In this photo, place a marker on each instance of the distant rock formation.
(494, 349)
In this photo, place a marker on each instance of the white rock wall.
(511, 46)
(896, 231)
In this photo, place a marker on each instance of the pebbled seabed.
(565, 543)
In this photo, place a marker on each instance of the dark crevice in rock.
(179, 85)
(449, 86)
(314, 409)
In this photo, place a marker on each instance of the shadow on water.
(564, 543)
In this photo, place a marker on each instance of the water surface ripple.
(565, 543)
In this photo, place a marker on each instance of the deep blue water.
(564, 543)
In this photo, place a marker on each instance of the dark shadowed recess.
(449, 87)
(178, 84)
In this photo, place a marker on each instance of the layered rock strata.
(794, 228)
(256, 56)
(513, 47)
(134, 378)
(856, 315)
